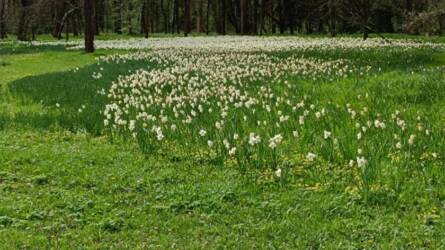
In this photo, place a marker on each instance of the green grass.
(65, 184)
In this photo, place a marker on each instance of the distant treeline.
(27, 18)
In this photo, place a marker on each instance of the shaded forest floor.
(64, 184)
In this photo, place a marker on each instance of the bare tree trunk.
(59, 11)
(223, 15)
(100, 16)
(207, 17)
(118, 17)
(365, 20)
(90, 18)
(23, 29)
(129, 18)
(187, 17)
(242, 16)
(147, 10)
(176, 17)
(255, 17)
(2, 19)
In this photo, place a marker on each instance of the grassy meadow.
(235, 142)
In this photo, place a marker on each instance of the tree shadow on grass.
(70, 99)
(21, 49)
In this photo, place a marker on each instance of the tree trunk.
(2, 19)
(332, 18)
(282, 22)
(146, 17)
(222, 18)
(242, 16)
(129, 18)
(187, 17)
(255, 17)
(59, 11)
(175, 24)
(118, 17)
(23, 29)
(207, 17)
(100, 16)
(74, 24)
(90, 18)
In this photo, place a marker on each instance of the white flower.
(351, 163)
(361, 162)
(254, 139)
(275, 141)
(58, 105)
(399, 145)
(132, 125)
(359, 136)
(202, 132)
(284, 118)
(295, 133)
(226, 143)
(327, 135)
(218, 125)
(278, 173)
(311, 156)
(210, 143)
(411, 139)
(301, 120)
(235, 137)
(173, 127)
(434, 155)
(159, 135)
(232, 151)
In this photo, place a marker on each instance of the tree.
(187, 17)
(23, 25)
(2, 19)
(90, 24)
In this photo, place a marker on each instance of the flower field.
(246, 108)
(346, 135)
